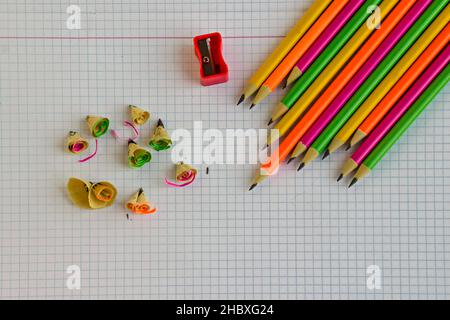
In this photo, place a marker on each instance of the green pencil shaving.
(137, 156)
(160, 140)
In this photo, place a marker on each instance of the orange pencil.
(271, 166)
(402, 86)
(299, 50)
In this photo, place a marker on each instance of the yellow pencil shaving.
(138, 116)
(88, 195)
(102, 195)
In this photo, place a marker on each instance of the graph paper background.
(298, 236)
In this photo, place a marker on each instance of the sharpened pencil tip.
(251, 107)
(290, 160)
(241, 99)
(301, 166)
(341, 176)
(252, 187)
(349, 146)
(160, 123)
(354, 181)
(270, 122)
(326, 154)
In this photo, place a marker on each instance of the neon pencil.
(299, 68)
(433, 37)
(317, 126)
(320, 144)
(311, 45)
(271, 166)
(313, 90)
(344, 36)
(345, 75)
(397, 112)
(399, 89)
(402, 125)
(284, 47)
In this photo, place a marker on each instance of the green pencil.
(321, 143)
(403, 124)
(332, 49)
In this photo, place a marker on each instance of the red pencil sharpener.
(213, 68)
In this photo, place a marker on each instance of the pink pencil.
(325, 38)
(362, 75)
(402, 106)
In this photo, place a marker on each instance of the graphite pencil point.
(270, 122)
(348, 147)
(326, 154)
(302, 165)
(290, 160)
(251, 107)
(241, 99)
(354, 181)
(341, 176)
(160, 123)
(253, 186)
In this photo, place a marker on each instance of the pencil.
(389, 100)
(315, 74)
(317, 125)
(409, 60)
(316, 39)
(334, 124)
(343, 77)
(402, 125)
(271, 166)
(299, 67)
(283, 48)
(397, 112)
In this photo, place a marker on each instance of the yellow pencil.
(284, 47)
(391, 79)
(325, 77)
